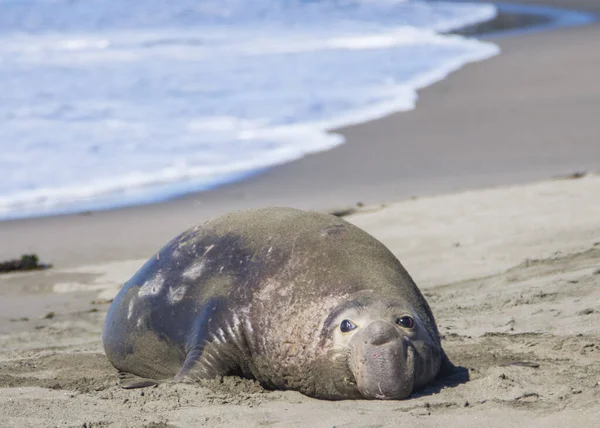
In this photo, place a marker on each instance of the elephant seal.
(296, 300)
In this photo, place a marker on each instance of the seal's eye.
(406, 321)
(347, 326)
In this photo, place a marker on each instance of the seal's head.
(386, 347)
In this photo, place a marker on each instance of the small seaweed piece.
(25, 263)
(343, 212)
(530, 364)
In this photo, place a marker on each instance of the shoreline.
(513, 19)
(519, 18)
(498, 122)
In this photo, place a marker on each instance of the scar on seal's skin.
(130, 308)
(152, 286)
(194, 271)
(176, 294)
(335, 229)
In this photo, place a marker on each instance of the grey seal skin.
(296, 300)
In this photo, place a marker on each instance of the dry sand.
(512, 273)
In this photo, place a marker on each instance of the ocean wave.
(107, 103)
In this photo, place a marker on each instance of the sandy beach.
(482, 209)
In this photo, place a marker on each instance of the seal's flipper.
(208, 363)
(192, 370)
(130, 381)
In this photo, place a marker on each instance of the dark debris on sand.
(25, 263)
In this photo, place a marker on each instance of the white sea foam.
(114, 102)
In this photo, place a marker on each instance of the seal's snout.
(380, 332)
(382, 361)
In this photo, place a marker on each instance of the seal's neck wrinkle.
(282, 333)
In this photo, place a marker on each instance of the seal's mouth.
(383, 362)
(402, 385)
(345, 381)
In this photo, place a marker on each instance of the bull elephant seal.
(296, 300)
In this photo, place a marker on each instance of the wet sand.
(510, 272)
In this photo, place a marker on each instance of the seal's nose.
(380, 332)
(382, 362)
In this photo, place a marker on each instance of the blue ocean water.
(106, 103)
